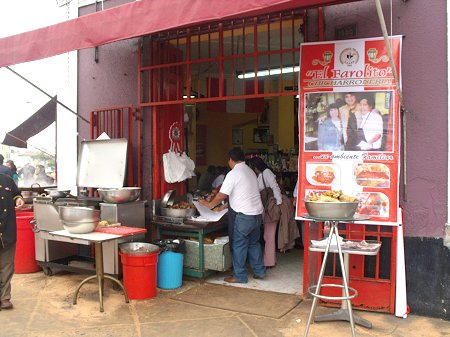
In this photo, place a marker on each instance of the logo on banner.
(349, 57)
(372, 54)
(327, 55)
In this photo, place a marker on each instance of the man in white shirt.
(241, 188)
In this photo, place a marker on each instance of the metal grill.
(237, 59)
(121, 122)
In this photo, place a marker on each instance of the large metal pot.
(138, 248)
(119, 195)
(56, 193)
(78, 214)
(331, 210)
(28, 196)
(80, 227)
(178, 212)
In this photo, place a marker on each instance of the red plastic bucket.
(25, 259)
(139, 275)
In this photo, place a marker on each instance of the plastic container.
(170, 264)
(170, 270)
(139, 272)
(25, 259)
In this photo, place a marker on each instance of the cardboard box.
(216, 256)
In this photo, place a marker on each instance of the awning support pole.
(399, 90)
(45, 93)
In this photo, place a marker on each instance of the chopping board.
(121, 230)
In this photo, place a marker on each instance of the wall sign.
(349, 124)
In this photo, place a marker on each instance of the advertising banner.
(349, 124)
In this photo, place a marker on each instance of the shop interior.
(270, 134)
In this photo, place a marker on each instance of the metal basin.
(331, 210)
(28, 196)
(138, 248)
(119, 195)
(78, 214)
(80, 227)
(55, 193)
(178, 212)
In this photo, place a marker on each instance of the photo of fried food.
(372, 175)
(331, 196)
(323, 174)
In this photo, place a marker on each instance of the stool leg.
(75, 296)
(345, 281)
(319, 283)
(120, 285)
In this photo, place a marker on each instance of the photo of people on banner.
(349, 121)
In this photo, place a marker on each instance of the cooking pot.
(119, 195)
(55, 193)
(28, 196)
(178, 212)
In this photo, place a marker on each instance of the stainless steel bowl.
(178, 212)
(28, 196)
(55, 193)
(80, 227)
(119, 195)
(78, 214)
(331, 210)
(138, 248)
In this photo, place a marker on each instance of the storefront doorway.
(237, 81)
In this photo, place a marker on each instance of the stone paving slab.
(43, 307)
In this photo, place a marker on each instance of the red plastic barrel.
(25, 260)
(139, 275)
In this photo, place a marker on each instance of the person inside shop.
(41, 177)
(350, 114)
(10, 164)
(26, 174)
(206, 179)
(221, 172)
(370, 131)
(241, 188)
(4, 169)
(10, 198)
(271, 198)
(330, 132)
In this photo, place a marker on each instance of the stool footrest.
(352, 292)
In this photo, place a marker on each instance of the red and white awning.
(132, 20)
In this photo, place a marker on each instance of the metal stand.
(315, 290)
(343, 313)
(100, 276)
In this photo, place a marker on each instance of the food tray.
(358, 247)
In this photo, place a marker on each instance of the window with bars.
(235, 59)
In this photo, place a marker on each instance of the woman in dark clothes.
(10, 198)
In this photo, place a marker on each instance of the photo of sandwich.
(322, 174)
(372, 175)
(373, 204)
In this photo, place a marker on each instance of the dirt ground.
(43, 307)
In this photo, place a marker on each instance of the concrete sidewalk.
(43, 307)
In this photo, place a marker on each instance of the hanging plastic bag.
(177, 167)
(173, 167)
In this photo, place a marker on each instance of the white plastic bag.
(177, 167)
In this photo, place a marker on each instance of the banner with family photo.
(349, 124)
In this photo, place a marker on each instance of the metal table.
(348, 293)
(96, 238)
(189, 229)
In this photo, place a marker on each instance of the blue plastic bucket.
(170, 270)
